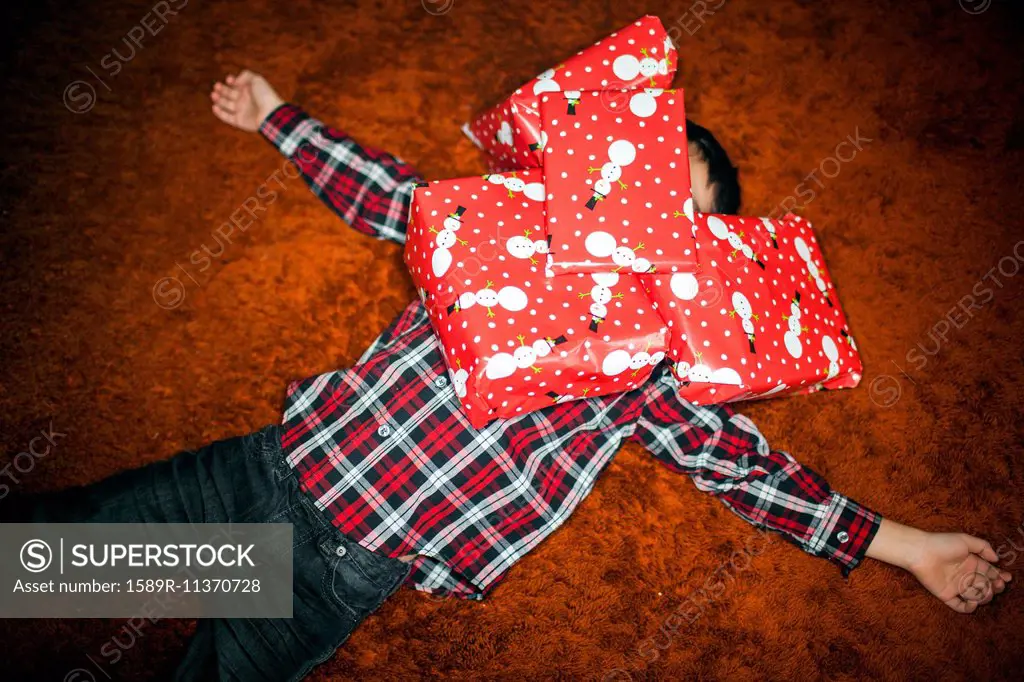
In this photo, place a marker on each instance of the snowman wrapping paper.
(463, 233)
(582, 266)
(618, 174)
(759, 316)
(516, 340)
(638, 56)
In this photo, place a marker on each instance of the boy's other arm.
(369, 189)
(727, 456)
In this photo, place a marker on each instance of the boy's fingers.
(980, 547)
(228, 93)
(223, 115)
(244, 76)
(961, 606)
(227, 106)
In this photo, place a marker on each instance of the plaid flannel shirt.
(390, 458)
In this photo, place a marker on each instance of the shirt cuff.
(287, 127)
(846, 532)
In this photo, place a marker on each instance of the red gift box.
(617, 174)
(759, 317)
(463, 233)
(637, 56)
(514, 339)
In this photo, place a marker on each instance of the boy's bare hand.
(958, 569)
(955, 567)
(244, 100)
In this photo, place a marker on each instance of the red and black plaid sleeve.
(726, 456)
(369, 189)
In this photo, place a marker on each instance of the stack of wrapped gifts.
(578, 265)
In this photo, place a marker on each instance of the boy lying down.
(387, 484)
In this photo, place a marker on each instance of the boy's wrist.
(269, 107)
(897, 544)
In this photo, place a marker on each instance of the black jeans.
(337, 583)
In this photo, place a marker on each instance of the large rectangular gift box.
(759, 316)
(514, 339)
(640, 55)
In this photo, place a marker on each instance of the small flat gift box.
(639, 55)
(617, 176)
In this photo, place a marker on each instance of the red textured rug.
(98, 206)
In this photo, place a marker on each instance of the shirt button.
(341, 551)
(384, 431)
(441, 381)
(843, 536)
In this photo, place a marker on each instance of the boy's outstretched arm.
(369, 189)
(726, 456)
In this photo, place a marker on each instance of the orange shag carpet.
(99, 205)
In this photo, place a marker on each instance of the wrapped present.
(617, 174)
(514, 339)
(640, 55)
(463, 233)
(758, 317)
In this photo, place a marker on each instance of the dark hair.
(722, 175)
